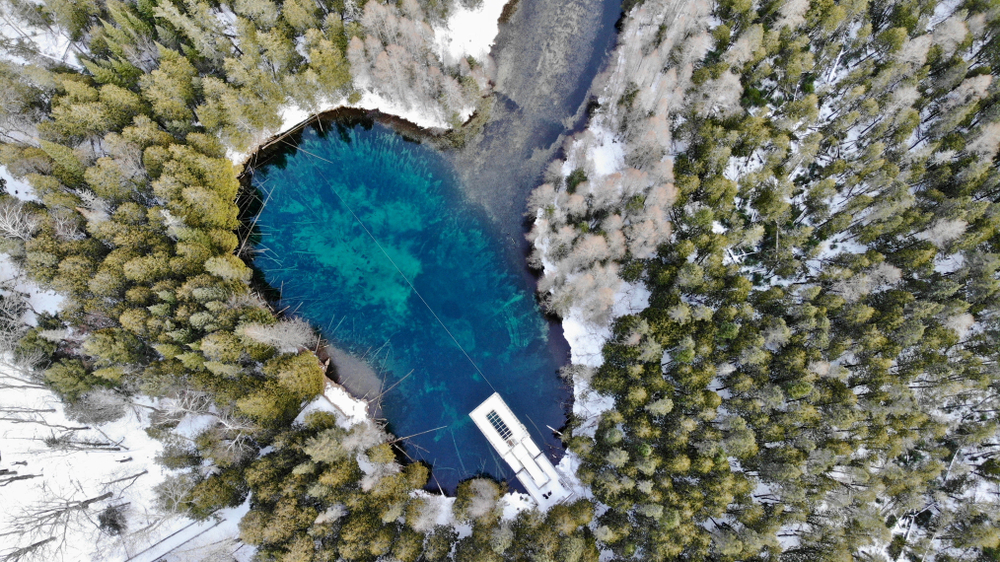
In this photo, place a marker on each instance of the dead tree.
(25, 552)
(232, 433)
(65, 442)
(12, 309)
(10, 476)
(51, 521)
(37, 419)
(16, 221)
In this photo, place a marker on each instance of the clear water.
(331, 272)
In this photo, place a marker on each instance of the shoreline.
(347, 374)
(453, 143)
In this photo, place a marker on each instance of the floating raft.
(511, 439)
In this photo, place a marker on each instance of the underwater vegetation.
(367, 236)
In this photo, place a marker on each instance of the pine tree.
(302, 15)
(228, 267)
(67, 166)
(170, 90)
(70, 378)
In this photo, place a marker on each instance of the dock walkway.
(511, 439)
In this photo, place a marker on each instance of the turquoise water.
(355, 285)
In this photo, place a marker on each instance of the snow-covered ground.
(60, 478)
(604, 152)
(469, 32)
(599, 152)
(16, 187)
(52, 42)
(38, 300)
(293, 115)
(586, 339)
(51, 456)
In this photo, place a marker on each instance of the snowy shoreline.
(468, 33)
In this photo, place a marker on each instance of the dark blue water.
(355, 285)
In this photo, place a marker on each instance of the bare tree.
(879, 277)
(39, 416)
(943, 231)
(8, 476)
(66, 224)
(29, 552)
(231, 433)
(422, 517)
(793, 13)
(287, 336)
(50, 521)
(172, 492)
(12, 309)
(94, 209)
(19, 372)
(67, 442)
(16, 221)
(477, 498)
(98, 406)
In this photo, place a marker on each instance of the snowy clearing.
(469, 32)
(51, 462)
(16, 187)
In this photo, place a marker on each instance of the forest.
(807, 189)
(809, 192)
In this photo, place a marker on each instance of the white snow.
(39, 300)
(51, 42)
(588, 404)
(74, 474)
(124, 465)
(585, 339)
(16, 187)
(469, 32)
(227, 19)
(53, 459)
(412, 114)
(293, 115)
(568, 467)
(444, 511)
(949, 263)
(353, 409)
(514, 503)
(631, 298)
(942, 11)
(212, 539)
(196, 424)
(607, 155)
